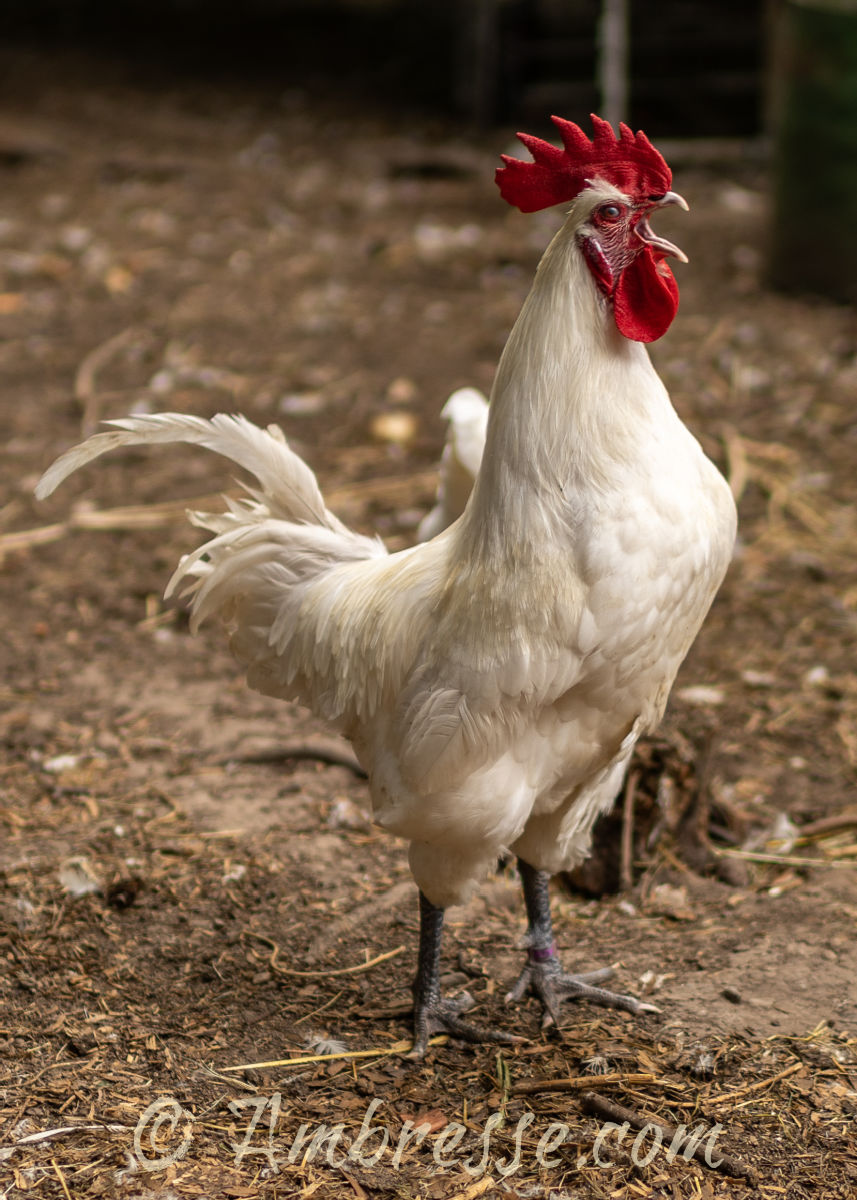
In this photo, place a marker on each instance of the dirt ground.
(180, 897)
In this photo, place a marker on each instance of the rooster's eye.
(610, 212)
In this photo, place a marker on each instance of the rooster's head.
(616, 183)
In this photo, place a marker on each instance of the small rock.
(759, 679)
(396, 427)
(667, 900)
(702, 695)
(345, 814)
(402, 391)
(78, 877)
(301, 404)
(75, 238)
(732, 995)
(61, 763)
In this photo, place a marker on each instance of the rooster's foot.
(544, 977)
(444, 1016)
(433, 1013)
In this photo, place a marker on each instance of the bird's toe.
(444, 1016)
(552, 985)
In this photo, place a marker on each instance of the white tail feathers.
(288, 486)
(268, 549)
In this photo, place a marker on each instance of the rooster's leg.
(543, 973)
(432, 1012)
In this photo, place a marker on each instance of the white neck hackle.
(572, 402)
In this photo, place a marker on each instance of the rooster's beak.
(672, 198)
(647, 235)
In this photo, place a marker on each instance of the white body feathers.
(495, 679)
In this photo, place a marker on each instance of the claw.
(542, 974)
(518, 989)
(444, 1016)
(547, 981)
(432, 1012)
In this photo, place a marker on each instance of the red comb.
(557, 174)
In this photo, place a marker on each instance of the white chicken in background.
(494, 679)
(467, 413)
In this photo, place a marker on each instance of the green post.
(814, 111)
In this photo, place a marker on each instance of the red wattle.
(646, 298)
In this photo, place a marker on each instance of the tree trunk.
(814, 111)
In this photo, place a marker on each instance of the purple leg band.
(543, 954)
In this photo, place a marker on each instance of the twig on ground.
(133, 516)
(61, 1178)
(347, 927)
(729, 1097)
(323, 973)
(476, 1189)
(324, 750)
(602, 1107)
(47, 1135)
(737, 467)
(839, 823)
(393, 490)
(626, 862)
(86, 377)
(384, 1052)
(786, 860)
(574, 1083)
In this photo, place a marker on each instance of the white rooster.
(494, 679)
(467, 413)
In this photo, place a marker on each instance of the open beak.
(672, 198)
(647, 235)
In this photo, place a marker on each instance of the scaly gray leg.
(432, 1013)
(543, 974)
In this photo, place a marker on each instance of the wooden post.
(814, 112)
(477, 61)
(613, 38)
